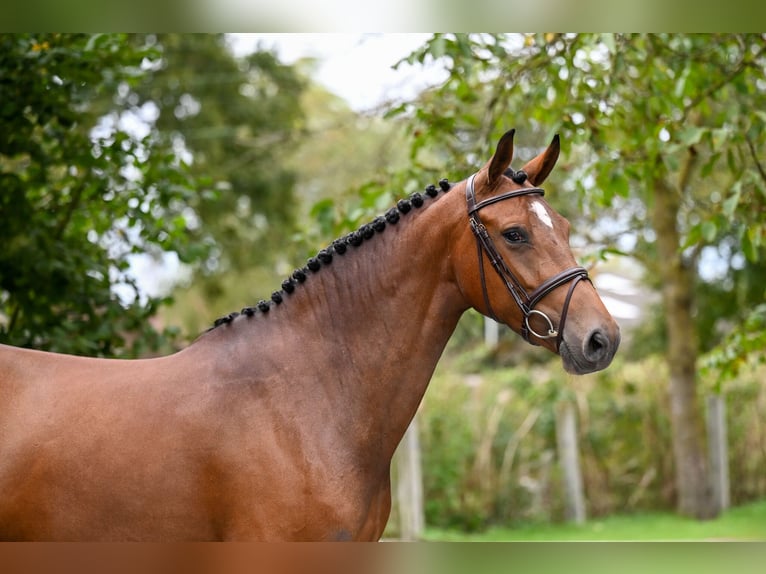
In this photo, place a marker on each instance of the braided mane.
(338, 247)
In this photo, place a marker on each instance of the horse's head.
(515, 263)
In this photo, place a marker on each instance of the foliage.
(325, 152)
(686, 117)
(664, 143)
(351, 165)
(630, 108)
(236, 118)
(742, 346)
(79, 196)
(488, 441)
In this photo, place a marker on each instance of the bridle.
(525, 301)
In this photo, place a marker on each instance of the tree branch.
(754, 155)
(686, 170)
(74, 203)
(743, 63)
(14, 317)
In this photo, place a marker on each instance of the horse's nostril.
(597, 346)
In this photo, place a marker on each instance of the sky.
(358, 67)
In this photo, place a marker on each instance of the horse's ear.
(537, 169)
(502, 158)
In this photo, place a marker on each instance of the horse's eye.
(515, 235)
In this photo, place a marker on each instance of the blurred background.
(150, 183)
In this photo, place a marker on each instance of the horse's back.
(39, 387)
(20, 368)
(32, 380)
(90, 443)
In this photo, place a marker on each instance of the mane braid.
(338, 247)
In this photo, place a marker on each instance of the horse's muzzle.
(593, 352)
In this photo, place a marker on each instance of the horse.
(279, 423)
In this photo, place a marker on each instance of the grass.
(747, 522)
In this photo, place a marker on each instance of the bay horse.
(280, 422)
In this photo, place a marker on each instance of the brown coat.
(278, 425)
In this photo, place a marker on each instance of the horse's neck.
(372, 325)
(392, 304)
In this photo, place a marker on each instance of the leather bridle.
(525, 301)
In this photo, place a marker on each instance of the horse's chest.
(307, 500)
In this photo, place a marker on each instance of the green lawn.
(744, 523)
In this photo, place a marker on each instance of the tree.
(238, 119)
(80, 193)
(666, 132)
(282, 151)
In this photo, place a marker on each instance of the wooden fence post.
(718, 450)
(491, 333)
(409, 487)
(569, 458)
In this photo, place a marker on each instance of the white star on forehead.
(542, 213)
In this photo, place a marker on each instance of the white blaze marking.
(541, 213)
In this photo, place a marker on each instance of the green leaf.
(438, 47)
(321, 207)
(720, 137)
(730, 203)
(608, 41)
(621, 185)
(691, 135)
(709, 231)
(91, 45)
(750, 245)
(693, 236)
(680, 88)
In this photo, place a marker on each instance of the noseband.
(525, 301)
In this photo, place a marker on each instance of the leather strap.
(525, 301)
(556, 281)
